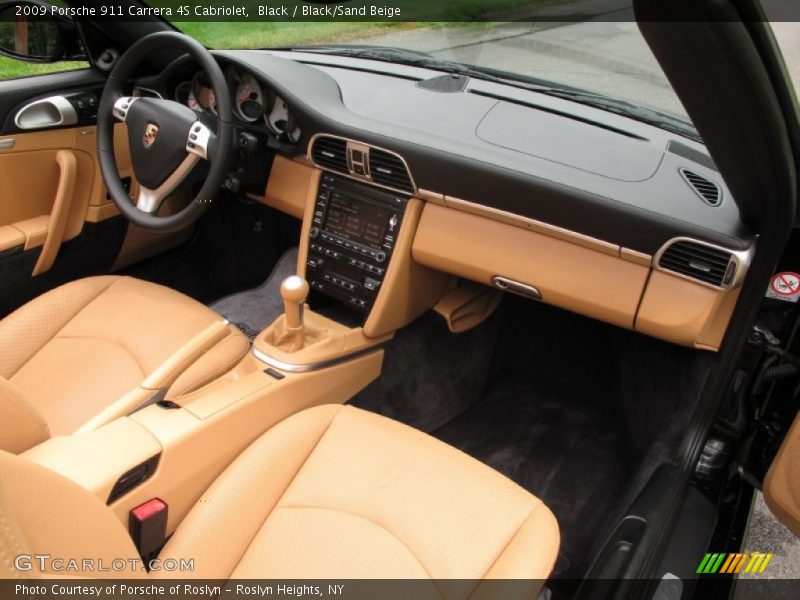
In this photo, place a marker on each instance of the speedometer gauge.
(278, 118)
(249, 99)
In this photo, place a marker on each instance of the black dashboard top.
(569, 165)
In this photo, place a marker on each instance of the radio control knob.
(314, 232)
(380, 256)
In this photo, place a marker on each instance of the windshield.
(608, 58)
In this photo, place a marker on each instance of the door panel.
(782, 485)
(33, 177)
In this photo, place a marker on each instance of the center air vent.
(699, 261)
(330, 153)
(361, 161)
(709, 191)
(389, 170)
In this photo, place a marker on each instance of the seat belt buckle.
(148, 526)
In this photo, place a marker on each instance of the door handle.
(59, 215)
(54, 111)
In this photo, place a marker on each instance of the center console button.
(371, 284)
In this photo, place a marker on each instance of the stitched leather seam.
(102, 339)
(60, 329)
(368, 520)
(508, 544)
(279, 498)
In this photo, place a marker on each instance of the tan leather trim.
(532, 225)
(95, 214)
(331, 341)
(46, 514)
(10, 237)
(468, 305)
(140, 243)
(595, 283)
(782, 484)
(430, 196)
(640, 258)
(60, 214)
(185, 356)
(291, 186)
(23, 425)
(35, 230)
(408, 289)
(95, 460)
(308, 217)
(683, 312)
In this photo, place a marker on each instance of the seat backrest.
(22, 426)
(43, 513)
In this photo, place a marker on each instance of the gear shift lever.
(294, 291)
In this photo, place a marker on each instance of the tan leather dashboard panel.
(580, 279)
(583, 276)
(291, 186)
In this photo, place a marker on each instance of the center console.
(352, 238)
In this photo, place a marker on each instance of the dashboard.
(593, 211)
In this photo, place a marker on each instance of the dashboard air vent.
(709, 191)
(698, 261)
(330, 153)
(389, 170)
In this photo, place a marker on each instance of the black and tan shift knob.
(294, 291)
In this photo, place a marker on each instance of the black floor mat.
(565, 452)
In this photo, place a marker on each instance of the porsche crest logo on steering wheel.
(150, 134)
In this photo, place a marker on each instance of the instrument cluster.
(253, 102)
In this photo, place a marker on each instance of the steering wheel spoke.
(122, 106)
(200, 138)
(150, 200)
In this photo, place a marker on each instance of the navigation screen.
(357, 221)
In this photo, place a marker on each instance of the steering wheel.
(166, 139)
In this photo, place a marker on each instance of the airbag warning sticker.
(785, 286)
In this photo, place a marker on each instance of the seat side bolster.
(25, 331)
(537, 537)
(219, 529)
(24, 424)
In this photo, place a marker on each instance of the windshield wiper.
(618, 106)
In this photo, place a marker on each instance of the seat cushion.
(338, 492)
(78, 348)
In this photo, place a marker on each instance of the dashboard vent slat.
(710, 192)
(330, 153)
(706, 264)
(388, 169)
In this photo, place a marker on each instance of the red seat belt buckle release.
(148, 526)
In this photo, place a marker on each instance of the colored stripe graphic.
(733, 563)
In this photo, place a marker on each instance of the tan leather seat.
(70, 353)
(332, 492)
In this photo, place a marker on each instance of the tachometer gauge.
(293, 131)
(249, 99)
(204, 95)
(185, 95)
(278, 117)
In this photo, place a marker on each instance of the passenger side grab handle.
(59, 215)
